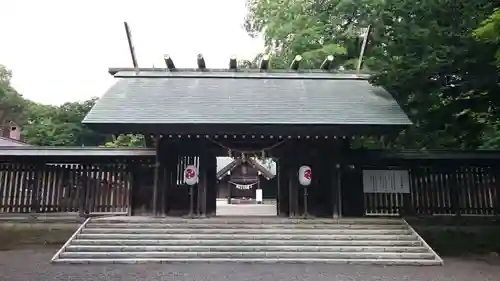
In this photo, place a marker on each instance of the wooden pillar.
(37, 184)
(336, 197)
(283, 189)
(84, 190)
(134, 188)
(156, 179)
(300, 157)
(168, 168)
(334, 165)
(351, 182)
(207, 186)
(162, 192)
(408, 207)
(229, 191)
(293, 177)
(211, 179)
(293, 186)
(322, 189)
(496, 171)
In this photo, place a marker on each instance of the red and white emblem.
(190, 175)
(305, 175)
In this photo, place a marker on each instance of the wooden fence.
(439, 190)
(459, 186)
(64, 188)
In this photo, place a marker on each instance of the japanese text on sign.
(386, 181)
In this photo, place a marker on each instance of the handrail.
(70, 239)
(425, 243)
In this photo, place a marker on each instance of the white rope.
(243, 186)
(247, 151)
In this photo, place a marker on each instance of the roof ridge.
(242, 75)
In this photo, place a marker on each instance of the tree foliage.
(60, 125)
(128, 140)
(46, 125)
(49, 125)
(489, 31)
(13, 107)
(424, 52)
(439, 58)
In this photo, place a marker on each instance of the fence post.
(408, 207)
(496, 175)
(84, 177)
(453, 186)
(35, 186)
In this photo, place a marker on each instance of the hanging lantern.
(305, 175)
(191, 175)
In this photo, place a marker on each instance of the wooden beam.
(264, 63)
(156, 178)
(169, 62)
(327, 63)
(233, 63)
(296, 62)
(363, 48)
(131, 47)
(201, 62)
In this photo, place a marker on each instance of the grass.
(14, 236)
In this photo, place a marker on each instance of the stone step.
(263, 248)
(242, 255)
(243, 226)
(245, 231)
(248, 220)
(188, 243)
(247, 240)
(217, 236)
(395, 262)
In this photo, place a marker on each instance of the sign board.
(191, 175)
(258, 195)
(305, 175)
(386, 181)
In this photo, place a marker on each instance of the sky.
(60, 50)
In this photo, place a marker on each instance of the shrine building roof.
(192, 100)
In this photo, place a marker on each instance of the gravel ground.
(224, 209)
(34, 266)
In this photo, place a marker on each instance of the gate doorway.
(246, 187)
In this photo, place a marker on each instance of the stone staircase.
(253, 240)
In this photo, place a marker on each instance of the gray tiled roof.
(243, 98)
(11, 142)
(76, 151)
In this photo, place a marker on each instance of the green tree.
(423, 52)
(489, 31)
(128, 140)
(61, 125)
(441, 75)
(290, 28)
(13, 107)
(46, 125)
